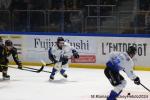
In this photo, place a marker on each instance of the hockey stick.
(35, 70)
(46, 64)
(145, 87)
(43, 65)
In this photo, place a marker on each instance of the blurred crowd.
(52, 4)
(17, 19)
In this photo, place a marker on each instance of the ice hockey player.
(5, 51)
(59, 55)
(120, 61)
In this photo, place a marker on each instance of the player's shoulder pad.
(54, 46)
(67, 44)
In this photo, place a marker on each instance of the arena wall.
(93, 48)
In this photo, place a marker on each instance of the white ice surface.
(80, 85)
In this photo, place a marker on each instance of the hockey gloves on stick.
(75, 53)
(63, 58)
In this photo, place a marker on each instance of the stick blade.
(43, 62)
(38, 71)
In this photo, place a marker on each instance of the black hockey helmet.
(60, 39)
(8, 43)
(131, 50)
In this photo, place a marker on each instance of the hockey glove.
(52, 58)
(137, 81)
(54, 61)
(75, 55)
(63, 58)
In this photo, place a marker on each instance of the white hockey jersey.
(66, 51)
(121, 61)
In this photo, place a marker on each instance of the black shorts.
(114, 77)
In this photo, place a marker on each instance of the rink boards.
(94, 49)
